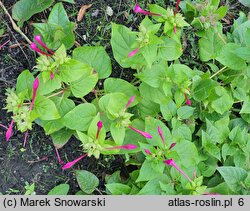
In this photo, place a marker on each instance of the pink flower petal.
(147, 151)
(145, 134)
(34, 47)
(127, 147)
(70, 164)
(99, 127)
(160, 133)
(39, 40)
(138, 9)
(171, 162)
(132, 53)
(9, 131)
(131, 100)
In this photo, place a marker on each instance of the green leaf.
(210, 146)
(243, 53)
(48, 86)
(83, 86)
(61, 137)
(23, 10)
(80, 117)
(170, 50)
(233, 176)
(229, 58)
(73, 70)
(96, 57)
(122, 42)
(210, 44)
(45, 108)
(245, 3)
(185, 112)
(148, 108)
(118, 189)
(153, 94)
(118, 133)
(224, 102)
(153, 76)
(168, 110)
(69, 1)
(58, 30)
(87, 181)
(203, 88)
(246, 107)
(147, 172)
(61, 189)
(122, 86)
(25, 82)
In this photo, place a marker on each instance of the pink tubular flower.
(9, 131)
(35, 87)
(132, 53)
(161, 135)
(188, 101)
(177, 6)
(127, 147)
(147, 151)
(145, 134)
(34, 47)
(171, 162)
(39, 40)
(99, 127)
(70, 164)
(138, 9)
(172, 145)
(52, 75)
(131, 100)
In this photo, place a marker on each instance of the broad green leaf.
(149, 52)
(153, 76)
(58, 30)
(243, 53)
(168, 110)
(210, 146)
(118, 133)
(73, 70)
(153, 187)
(185, 112)
(96, 57)
(80, 117)
(45, 108)
(25, 82)
(48, 86)
(87, 181)
(123, 42)
(170, 50)
(154, 94)
(208, 167)
(69, 1)
(113, 103)
(227, 150)
(225, 101)
(147, 172)
(210, 44)
(245, 2)
(233, 176)
(246, 107)
(203, 88)
(239, 136)
(61, 137)
(118, 188)
(148, 108)
(84, 85)
(120, 85)
(229, 58)
(23, 10)
(61, 189)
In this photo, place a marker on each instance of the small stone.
(109, 11)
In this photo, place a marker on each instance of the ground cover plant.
(177, 121)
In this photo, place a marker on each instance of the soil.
(37, 163)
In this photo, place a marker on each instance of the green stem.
(218, 72)
(57, 93)
(85, 101)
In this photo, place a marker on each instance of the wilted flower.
(145, 134)
(188, 101)
(127, 147)
(9, 131)
(147, 151)
(130, 101)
